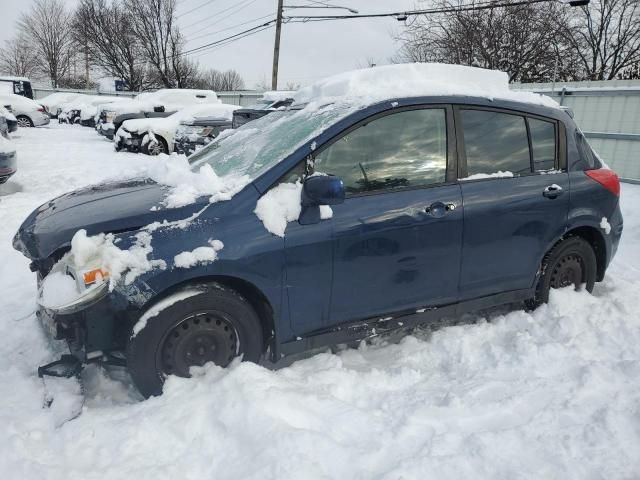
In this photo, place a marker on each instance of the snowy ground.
(549, 395)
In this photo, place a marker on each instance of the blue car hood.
(109, 208)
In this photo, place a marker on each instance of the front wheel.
(213, 325)
(572, 261)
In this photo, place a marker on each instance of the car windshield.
(259, 145)
(259, 105)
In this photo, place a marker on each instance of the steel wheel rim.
(568, 270)
(197, 339)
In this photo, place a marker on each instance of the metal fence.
(242, 98)
(608, 112)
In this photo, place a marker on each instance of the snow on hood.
(370, 85)
(216, 110)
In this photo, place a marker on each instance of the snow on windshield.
(257, 146)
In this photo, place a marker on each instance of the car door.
(515, 196)
(396, 239)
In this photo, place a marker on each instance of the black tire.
(216, 325)
(570, 261)
(24, 121)
(156, 148)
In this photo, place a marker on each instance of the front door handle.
(552, 191)
(439, 209)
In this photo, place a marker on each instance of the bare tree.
(227, 81)
(153, 22)
(108, 31)
(48, 27)
(523, 40)
(606, 37)
(18, 58)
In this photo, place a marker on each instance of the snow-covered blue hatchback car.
(381, 199)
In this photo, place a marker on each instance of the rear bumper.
(41, 120)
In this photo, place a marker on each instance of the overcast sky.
(308, 50)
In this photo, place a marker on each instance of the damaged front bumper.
(96, 333)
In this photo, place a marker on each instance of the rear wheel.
(216, 326)
(24, 121)
(570, 262)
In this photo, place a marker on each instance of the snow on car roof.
(416, 80)
(276, 95)
(14, 79)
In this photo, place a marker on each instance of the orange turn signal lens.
(92, 276)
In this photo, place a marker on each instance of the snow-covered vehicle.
(12, 121)
(270, 102)
(154, 136)
(158, 104)
(17, 85)
(8, 161)
(54, 102)
(28, 112)
(83, 110)
(381, 199)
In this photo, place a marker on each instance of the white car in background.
(160, 103)
(154, 136)
(28, 112)
(56, 100)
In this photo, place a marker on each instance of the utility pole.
(276, 48)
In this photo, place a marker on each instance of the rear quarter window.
(588, 157)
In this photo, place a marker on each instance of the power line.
(202, 47)
(227, 42)
(404, 14)
(208, 2)
(227, 16)
(242, 4)
(229, 28)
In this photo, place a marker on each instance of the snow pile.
(414, 80)
(199, 255)
(281, 205)
(187, 185)
(99, 251)
(480, 176)
(171, 99)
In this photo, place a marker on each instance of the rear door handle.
(439, 209)
(552, 191)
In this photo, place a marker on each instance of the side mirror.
(319, 190)
(322, 190)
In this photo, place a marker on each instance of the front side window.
(401, 150)
(543, 144)
(495, 142)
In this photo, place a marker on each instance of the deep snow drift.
(553, 394)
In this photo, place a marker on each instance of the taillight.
(607, 178)
(41, 109)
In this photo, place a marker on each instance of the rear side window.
(543, 144)
(586, 154)
(401, 150)
(495, 142)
